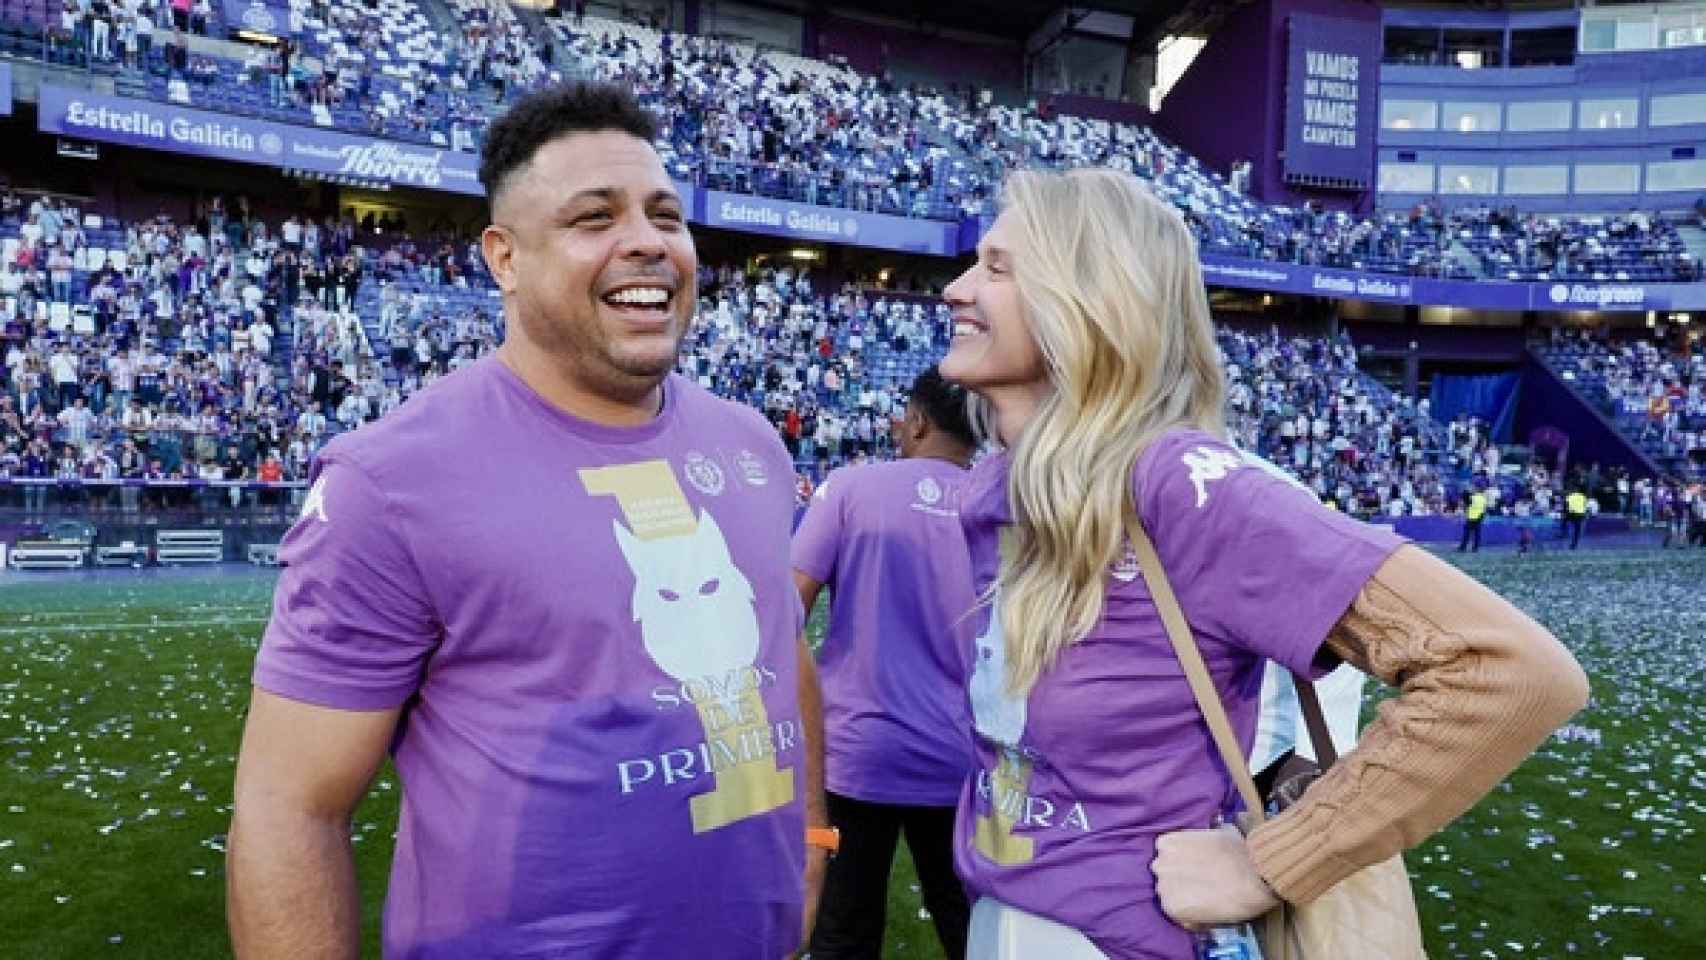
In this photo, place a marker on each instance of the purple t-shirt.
(592, 632)
(886, 539)
(1109, 750)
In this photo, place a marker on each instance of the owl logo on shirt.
(698, 619)
(996, 713)
(693, 605)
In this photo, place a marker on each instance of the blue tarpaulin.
(1492, 397)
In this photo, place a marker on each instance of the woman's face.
(992, 345)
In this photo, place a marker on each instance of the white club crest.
(314, 505)
(929, 491)
(1125, 569)
(1208, 464)
(704, 474)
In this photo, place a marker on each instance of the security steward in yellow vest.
(1575, 515)
(1473, 513)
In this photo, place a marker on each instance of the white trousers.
(1001, 932)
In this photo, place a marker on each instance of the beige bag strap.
(1196, 671)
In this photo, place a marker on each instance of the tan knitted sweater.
(1481, 685)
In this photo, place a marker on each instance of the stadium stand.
(275, 337)
(227, 351)
(780, 125)
(1655, 396)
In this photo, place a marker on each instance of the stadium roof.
(1018, 19)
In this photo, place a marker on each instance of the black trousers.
(1471, 533)
(852, 913)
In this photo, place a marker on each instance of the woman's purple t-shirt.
(592, 633)
(1109, 750)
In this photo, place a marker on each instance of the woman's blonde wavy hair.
(1113, 292)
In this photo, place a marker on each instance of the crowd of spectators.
(228, 349)
(1303, 404)
(153, 351)
(739, 118)
(778, 125)
(122, 31)
(828, 368)
(225, 348)
(1654, 392)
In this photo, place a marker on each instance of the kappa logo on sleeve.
(1208, 464)
(314, 505)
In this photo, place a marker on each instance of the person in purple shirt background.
(555, 587)
(1088, 827)
(885, 538)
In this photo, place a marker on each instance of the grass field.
(121, 702)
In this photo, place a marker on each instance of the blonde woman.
(1084, 331)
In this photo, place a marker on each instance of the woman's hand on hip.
(1206, 878)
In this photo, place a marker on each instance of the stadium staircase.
(1693, 240)
(541, 34)
(442, 19)
(1592, 397)
(1465, 262)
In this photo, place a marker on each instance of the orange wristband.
(824, 838)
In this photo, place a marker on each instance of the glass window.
(1677, 175)
(1409, 115)
(1608, 178)
(1636, 33)
(1470, 117)
(1406, 178)
(1676, 109)
(1691, 35)
(1416, 46)
(1599, 35)
(1530, 115)
(1471, 49)
(1468, 179)
(1551, 47)
(1537, 179)
(1615, 114)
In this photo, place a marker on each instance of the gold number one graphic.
(1008, 786)
(740, 743)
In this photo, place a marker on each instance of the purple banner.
(1332, 81)
(802, 221)
(5, 89)
(164, 126)
(1222, 271)
(268, 18)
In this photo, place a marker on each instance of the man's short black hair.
(944, 405)
(552, 112)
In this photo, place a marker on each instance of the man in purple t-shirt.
(886, 539)
(554, 586)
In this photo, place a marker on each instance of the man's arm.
(817, 810)
(808, 588)
(290, 874)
